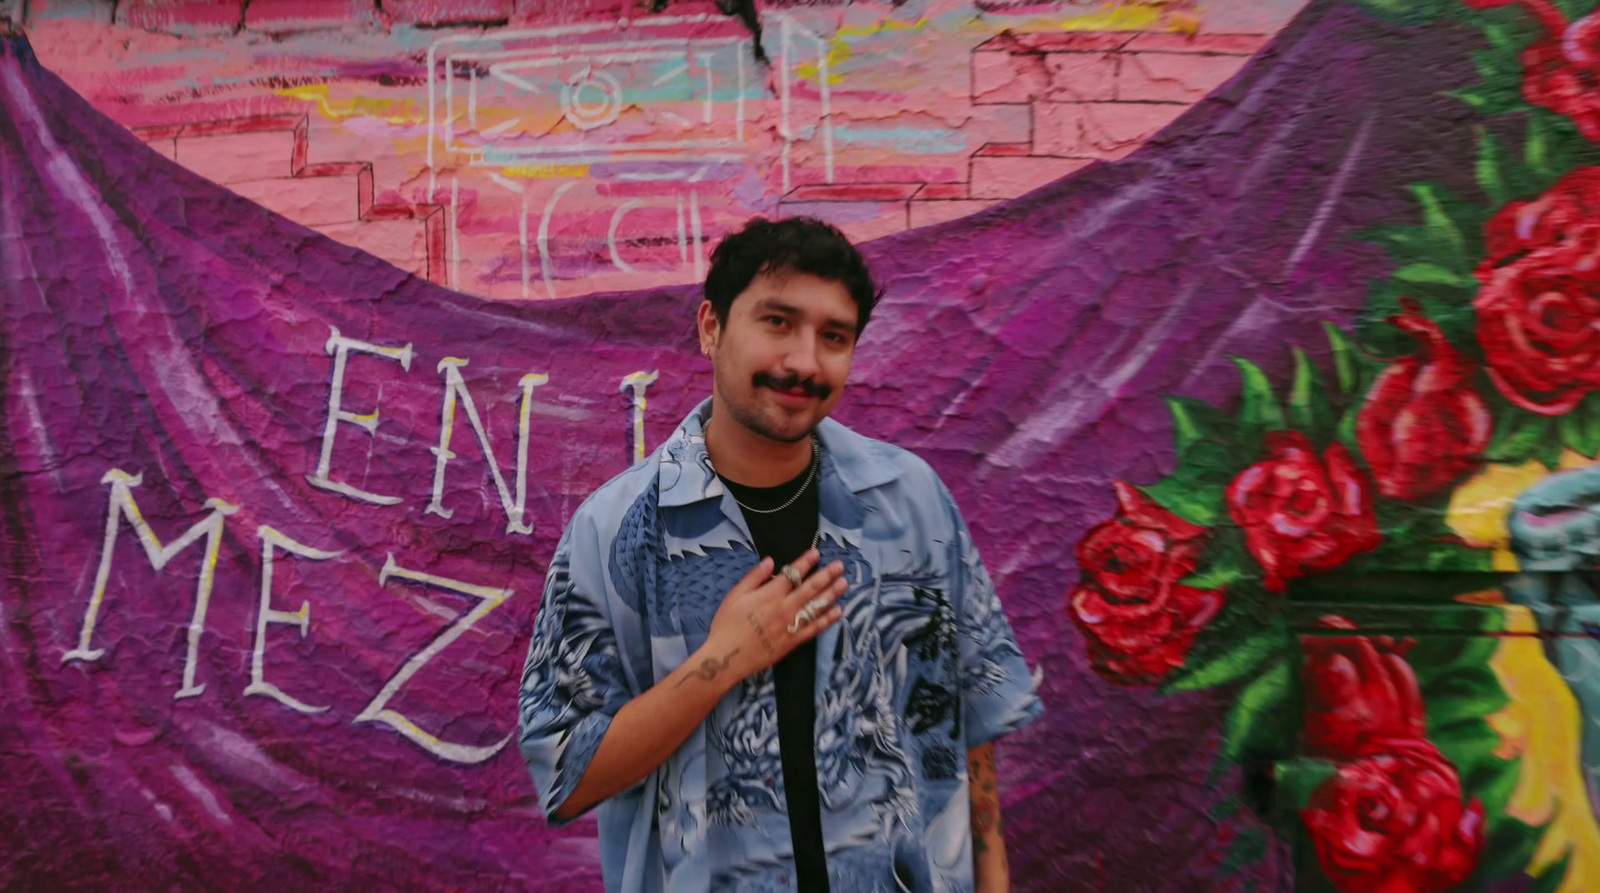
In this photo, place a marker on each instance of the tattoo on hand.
(766, 643)
(709, 668)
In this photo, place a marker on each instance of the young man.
(769, 653)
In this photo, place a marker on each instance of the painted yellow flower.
(1480, 507)
(1542, 729)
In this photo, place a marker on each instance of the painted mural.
(1257, 341)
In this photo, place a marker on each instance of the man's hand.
(752, 629)
(749, 633)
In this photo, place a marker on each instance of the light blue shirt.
(922, 668)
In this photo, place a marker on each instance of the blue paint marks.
(908, 140)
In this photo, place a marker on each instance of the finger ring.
(802, 617)
(792, 574)
(816, 605)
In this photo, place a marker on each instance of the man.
(769, 652)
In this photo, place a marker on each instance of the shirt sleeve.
(573, 682)
(997, 688)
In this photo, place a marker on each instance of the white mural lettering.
(455, 388)
(638, 382)
(489, 598)
(340, 347)
(121, 504)
(271, 539)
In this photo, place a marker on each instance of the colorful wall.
(1256, 338)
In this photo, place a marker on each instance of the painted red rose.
(1566, 207)
(1359, 693)
(1394, 822)
(1539, 323)
(1423, 425)
(1562, 70)
(1302, 513)
(1138, 619)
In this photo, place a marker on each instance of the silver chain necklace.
(811, 473)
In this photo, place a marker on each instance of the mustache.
(811, 387)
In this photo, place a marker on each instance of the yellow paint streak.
(839, 48)
(546, 171)
(1124, 17)
(392, 111)
(1542, 729)
(1480, 507)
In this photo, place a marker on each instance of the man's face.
(782, 358)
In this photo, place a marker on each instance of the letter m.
(122, 506)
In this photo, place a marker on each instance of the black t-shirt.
(784, 536)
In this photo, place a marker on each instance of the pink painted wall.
(533, 150)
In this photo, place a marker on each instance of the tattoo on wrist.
(709, 668)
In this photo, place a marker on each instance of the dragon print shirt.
(922, 667)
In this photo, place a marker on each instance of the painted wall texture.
(1256, 339)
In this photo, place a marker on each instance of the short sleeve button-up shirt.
(922, 667)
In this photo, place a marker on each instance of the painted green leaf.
(1258, 712)
(1551, 879)
(1467, 693)
(1507, 852)
(1537, 148)
(1432, 274)
(1575, 9)
(1258, 409)
(1493, 97)
(1226, 570)
(1504, 37)
(1553, 146)
(1345, 366)
(1197, 503)
(1520, 435)
(1492, 781)
(1345, 433)
(1444, 237)
(1580, 429)
(1194, 421)
(1238, 662)
(1466, 743)
(1491, 168)
(1298, 779)
(1308, 402)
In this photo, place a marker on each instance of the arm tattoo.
(985, 799)
(709, 668)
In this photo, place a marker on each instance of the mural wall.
(1256, 338)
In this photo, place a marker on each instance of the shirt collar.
(685, 474)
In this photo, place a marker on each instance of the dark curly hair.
(800, 244)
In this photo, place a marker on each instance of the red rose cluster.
(1139, 620)
(1423, 425)
(1392, 819)
(1538, 305)
(1301, 512)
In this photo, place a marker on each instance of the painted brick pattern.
(263, 158)
(1082, 96)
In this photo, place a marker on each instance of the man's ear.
(708, 326)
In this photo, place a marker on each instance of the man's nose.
(802, 358)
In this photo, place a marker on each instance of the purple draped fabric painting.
(274, 515)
